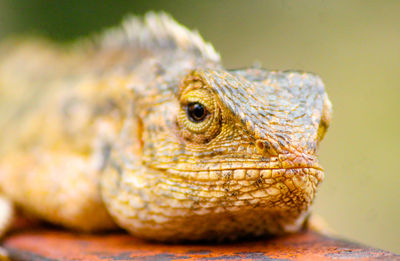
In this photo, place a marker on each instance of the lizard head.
(232, 153)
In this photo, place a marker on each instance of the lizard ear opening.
(139, 132)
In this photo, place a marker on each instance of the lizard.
(141, 127)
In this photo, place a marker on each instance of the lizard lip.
(246, 173)
(241, 165)
(197, 165)
(245, 169)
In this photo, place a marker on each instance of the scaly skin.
(145, 129)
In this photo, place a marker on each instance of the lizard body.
(145, 129)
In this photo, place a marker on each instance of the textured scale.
(98, 135)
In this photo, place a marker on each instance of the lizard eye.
(196, 112)
(199, 116)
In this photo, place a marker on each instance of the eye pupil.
(196, 112)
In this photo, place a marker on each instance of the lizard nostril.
(260, 146)
(264, 146)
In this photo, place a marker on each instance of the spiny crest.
(158, 32)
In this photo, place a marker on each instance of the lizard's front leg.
(6, 216)
(59, 187)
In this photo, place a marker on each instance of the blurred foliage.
(353, 45)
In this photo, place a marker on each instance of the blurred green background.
(353, 45)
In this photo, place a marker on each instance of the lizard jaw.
(211, 201)
(163, 207)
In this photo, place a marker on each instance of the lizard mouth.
(214, 174)
(248, 170)
(273, 184)
(251, 182)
